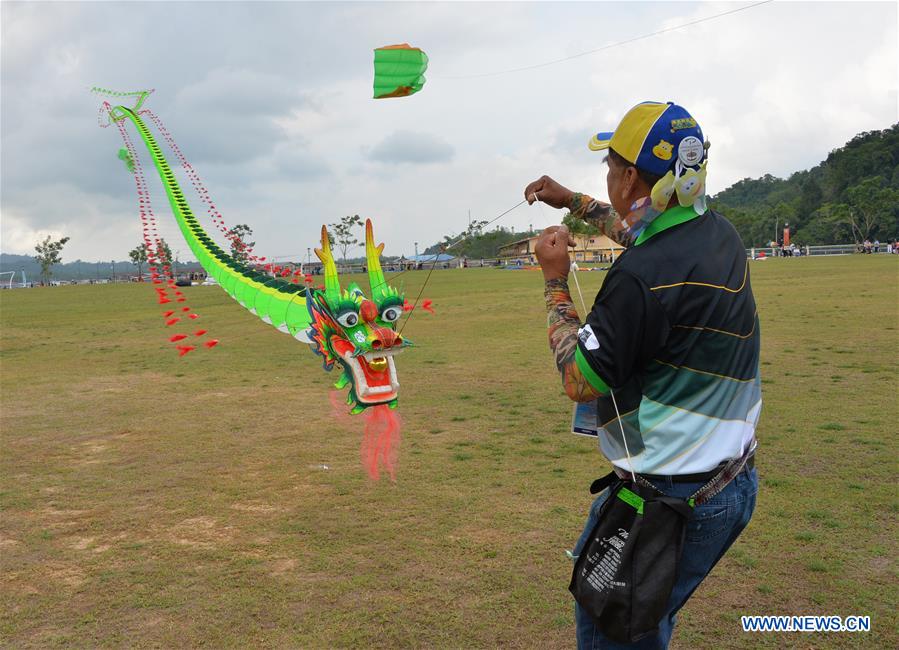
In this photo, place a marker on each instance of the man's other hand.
(549, 192)
(552, 252)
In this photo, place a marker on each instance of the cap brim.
(600, 141)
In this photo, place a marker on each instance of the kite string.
(436, 256)
(608, 46)
(573, 271)
(443, 249)
(573, 268)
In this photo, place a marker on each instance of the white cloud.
(411, 147)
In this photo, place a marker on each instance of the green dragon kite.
(343, 326)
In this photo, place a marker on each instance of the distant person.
(673, 332)
(876, 246)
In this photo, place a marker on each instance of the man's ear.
(629, 185)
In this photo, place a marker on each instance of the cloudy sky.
(271, 103)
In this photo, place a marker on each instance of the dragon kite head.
(358, 332)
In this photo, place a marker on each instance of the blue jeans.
(715, 525)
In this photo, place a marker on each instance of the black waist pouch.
(624, 575)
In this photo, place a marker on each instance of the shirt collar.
(668, 219)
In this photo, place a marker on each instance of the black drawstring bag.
(626, 571)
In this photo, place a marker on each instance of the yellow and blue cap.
(654, 136)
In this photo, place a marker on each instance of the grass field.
(149, 500)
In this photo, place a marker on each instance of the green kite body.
(342, 326)
(399, 70)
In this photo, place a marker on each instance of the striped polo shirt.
(674, 332)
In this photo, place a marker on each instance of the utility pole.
(416, 249)
(113, 271)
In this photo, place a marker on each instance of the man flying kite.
(669, 352)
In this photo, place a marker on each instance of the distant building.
(591, 249)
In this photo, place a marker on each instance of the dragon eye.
(349, 319)
(391, 314)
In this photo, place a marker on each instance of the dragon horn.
(332, 283)
(373, 258)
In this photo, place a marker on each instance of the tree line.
(851, 196)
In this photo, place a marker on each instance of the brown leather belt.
(701, 477)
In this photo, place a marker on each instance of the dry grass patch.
(152, 501)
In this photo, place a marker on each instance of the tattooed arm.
(588, 209)
(563, 324)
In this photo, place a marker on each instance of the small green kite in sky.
(399, 70)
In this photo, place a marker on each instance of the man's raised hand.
(549, 192)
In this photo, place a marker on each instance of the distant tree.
(872, 204)
(580, 228)
(343, 234)
(139, 257)
(164, 253)
(827, 224)
(48, 254)
(238, 237)
(476, 228)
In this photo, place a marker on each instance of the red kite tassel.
(381, 440)
(168, 313)
(184, 349)
(177, 337)
(172, 321)
(193, 316)
(199, 332)
(211, 343)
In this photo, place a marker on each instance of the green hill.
(850, 196)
